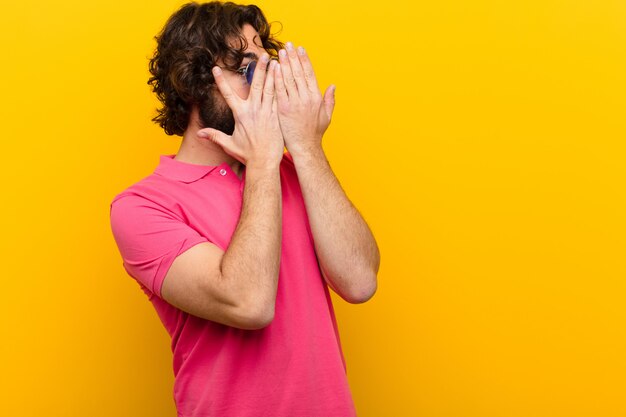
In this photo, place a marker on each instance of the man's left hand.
(303, 114)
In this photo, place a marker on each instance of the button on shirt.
(292, 367)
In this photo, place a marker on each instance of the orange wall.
(483, 141)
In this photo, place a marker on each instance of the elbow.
(368, 283)
(259, 317)
(256, 307)
(363, 292)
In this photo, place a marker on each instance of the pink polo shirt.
(294, 367)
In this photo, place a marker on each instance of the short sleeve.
(149, 238)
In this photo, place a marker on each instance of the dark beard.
(216, 114)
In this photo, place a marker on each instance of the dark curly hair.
(194, 38)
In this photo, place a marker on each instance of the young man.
(234, 242)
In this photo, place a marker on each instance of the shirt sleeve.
(149, 238)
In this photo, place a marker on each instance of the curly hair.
(193, 39)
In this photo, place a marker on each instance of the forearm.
(251, 263)
(347, 251)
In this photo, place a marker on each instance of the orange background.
(483, 142)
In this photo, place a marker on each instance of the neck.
(201, 151)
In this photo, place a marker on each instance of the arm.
(241, 285)
(347, 252)
(236, 287)
(251, 263)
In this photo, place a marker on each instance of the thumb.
(223, 140)
(214, 136)
(329, 100)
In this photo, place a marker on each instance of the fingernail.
(265, 57)
(289, 46)
(217, 70)
(203, 135)
(300, 50)
(282, 53)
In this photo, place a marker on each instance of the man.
(235, 242)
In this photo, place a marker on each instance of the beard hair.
(216, 114)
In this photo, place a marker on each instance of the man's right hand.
(257, 139)
(238, 286)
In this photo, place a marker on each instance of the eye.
(242, 70)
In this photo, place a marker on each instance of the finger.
(275, 115)
(229, 95)
(296, 70)
(258, 80)
(285, 68)
(329, 101)
(279, 84)
(309, 74)
(274, 106)
(268, 90)
(223, 140)
(215, 136)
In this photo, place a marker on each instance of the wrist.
(314, 150)
(266, 166)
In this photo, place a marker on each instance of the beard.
(216, 114)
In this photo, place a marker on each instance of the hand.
(303, 115)
(256, 138)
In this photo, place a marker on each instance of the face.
(218, 115)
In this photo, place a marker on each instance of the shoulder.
(131, 212)
(142, 208)
(150, 190)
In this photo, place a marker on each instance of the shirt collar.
(181, 171)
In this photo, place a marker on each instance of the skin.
(237, 287)
(347, 251)
(198, 150)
